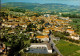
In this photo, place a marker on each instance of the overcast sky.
(68, 2)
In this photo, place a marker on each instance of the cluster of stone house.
(14, 24)
(73, 35)
(51, 22)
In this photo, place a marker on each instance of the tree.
(66, 33)
(18, 10)
(42, 21)
(41, 29)
(18, 43)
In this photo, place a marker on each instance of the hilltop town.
(33, 29)
(42, 25)
(41, 31)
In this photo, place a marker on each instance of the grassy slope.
(42, 7)
(68, 49)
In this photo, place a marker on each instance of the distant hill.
(43, 7)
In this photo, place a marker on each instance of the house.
(69, 27)
(11, 31)
(75, 36)
(3, 24)
(17, 19)
(64, 18)
(47, 15)
(54, 16)
(46, 31)
(23, 25)
(43, 38)
(70, 31)
(60, 29)
(4, 20)
(9, 24)
(11, 19)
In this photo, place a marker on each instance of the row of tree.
(18, 10)
(63, 36)
(71, 15)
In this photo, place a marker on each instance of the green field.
(76, 24)
(68, 49)
(75, 21)
(37, 54)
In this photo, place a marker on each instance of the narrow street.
(53, 45)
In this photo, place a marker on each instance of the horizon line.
(40, 3)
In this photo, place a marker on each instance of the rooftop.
(46, 36)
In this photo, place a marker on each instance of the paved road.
(53, 45)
